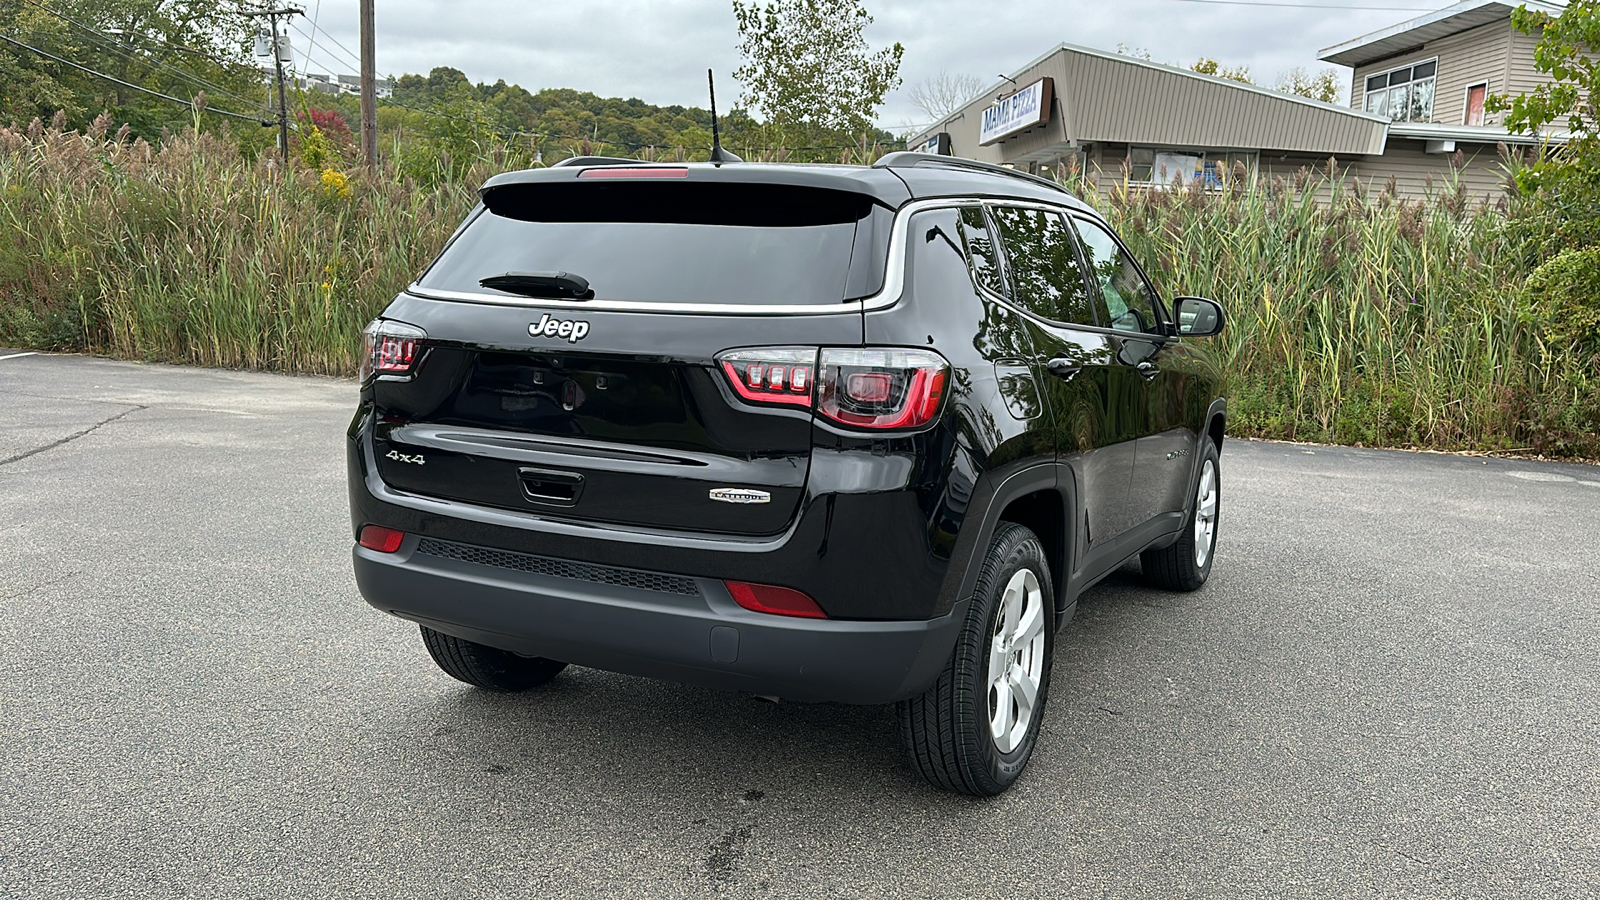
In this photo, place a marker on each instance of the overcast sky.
(658, 51)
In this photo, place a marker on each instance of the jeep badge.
(573, 330)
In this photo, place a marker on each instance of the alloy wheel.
(1205, 514)
(1016, 660)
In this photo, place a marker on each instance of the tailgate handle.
(551, 487)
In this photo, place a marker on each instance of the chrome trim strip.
(528, 521)
(893, 280)
(694, 309)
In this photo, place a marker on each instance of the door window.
(1130, 302)
(1043, 265)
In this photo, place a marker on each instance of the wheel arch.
(1033, 497)
(1217, 421)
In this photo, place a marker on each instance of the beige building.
(1416, 111)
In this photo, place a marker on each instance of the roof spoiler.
(911, 158)
(598, 161)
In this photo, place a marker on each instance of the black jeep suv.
(827, 433)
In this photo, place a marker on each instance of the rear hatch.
(590, 379)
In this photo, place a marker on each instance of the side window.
(1044, 266)
(1130, 302)
(980, 247)
(937, 269)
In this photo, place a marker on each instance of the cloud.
(659, 51)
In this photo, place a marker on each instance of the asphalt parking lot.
(1391, 686)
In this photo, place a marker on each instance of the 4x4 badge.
(574, 330)
(740, 495)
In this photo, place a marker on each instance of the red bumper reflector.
(381, 539)
(779, 601)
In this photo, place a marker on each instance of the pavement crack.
(69, 438)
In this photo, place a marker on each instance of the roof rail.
(912, 158)
(598, 161)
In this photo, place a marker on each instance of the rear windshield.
(663, 243)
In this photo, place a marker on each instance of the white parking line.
(18, 355)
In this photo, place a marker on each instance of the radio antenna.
(718, 155)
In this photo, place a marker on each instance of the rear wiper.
(557, 285)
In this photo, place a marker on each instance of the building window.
(1404, 94)
(1476, 95)
(1160, 166)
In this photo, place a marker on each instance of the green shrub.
(1564, 298)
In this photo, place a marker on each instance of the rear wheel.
(1186, 564)
(487, 667)
(974, 729)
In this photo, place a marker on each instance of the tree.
(1569, 52)
(809, 72)
(1325, 85)
(177, 47)
(1205, 65)
(944, 93)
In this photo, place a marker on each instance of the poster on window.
(1169, 166)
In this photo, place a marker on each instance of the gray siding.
(1521, 76)
(1405, 162)
(1179, 110)
(1474, 56)
(1412, 169)
(1102, 98)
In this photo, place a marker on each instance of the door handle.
(1147, 369)
(1063, 368)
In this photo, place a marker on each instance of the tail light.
(772, 374)
(874, 388)
(881, 388)
(392, 350)
(779, 601)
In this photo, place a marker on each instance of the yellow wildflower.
(335, 184)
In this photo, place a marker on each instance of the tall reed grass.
(189, 253)
(1353, 318)
(1361, 318)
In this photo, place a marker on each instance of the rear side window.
(664, 243)
(1044, 265)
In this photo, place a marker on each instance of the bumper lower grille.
(559, 568)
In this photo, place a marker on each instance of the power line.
(188, 103)
(348, 59)
(1314, 5)
(107, 42)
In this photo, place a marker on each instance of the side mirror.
(1197, 316)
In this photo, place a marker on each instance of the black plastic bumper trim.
(706, 640)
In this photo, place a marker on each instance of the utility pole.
(272, 14)
(369, 90)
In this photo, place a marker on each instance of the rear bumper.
(680, 629)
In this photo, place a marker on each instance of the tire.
(487, 667)
(1186, 564)
(949, 731)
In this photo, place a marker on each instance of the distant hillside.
(565, 121)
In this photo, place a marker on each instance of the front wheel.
(974, 729)
(1186, 564)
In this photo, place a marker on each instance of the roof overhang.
(1362, 133)
(1473, 134)
(1414, 33)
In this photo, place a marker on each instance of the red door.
(1475, 98)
